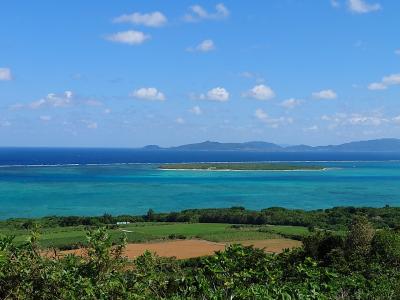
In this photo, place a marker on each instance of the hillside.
(378, 145)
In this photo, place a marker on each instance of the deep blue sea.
(46, 181)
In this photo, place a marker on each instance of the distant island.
(378, 145)
(239, 167)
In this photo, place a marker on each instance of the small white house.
(123, 223)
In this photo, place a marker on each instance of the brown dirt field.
(182, 249)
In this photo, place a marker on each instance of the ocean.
(38, 182)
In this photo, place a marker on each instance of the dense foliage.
(365, 264)
(337, 218)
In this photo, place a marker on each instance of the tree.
(360, 237)
(150, 215)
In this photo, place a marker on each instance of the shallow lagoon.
(28, 191)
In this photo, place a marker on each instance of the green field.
(142, 232)
(238, 167)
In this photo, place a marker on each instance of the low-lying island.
(240, 167)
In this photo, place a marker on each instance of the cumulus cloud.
(325, 94)
(50, 100)
(5, 74)
(150, 93)
(216, 94)
(196, 110)
(386, 81)
(291, 103)
(198, 13)
(204, 46)
(261, 115)
(130, 37)
(362, 6)
(260, 92)
(153, 19)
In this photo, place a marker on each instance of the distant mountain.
(216, 146)
(379, 145)
(152, 147)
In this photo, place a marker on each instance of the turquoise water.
(134, 188)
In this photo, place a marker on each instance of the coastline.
(250, 170)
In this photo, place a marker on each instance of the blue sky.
(129, 73)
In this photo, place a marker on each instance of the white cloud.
(397, 51)
(150, 93)
(5, 74)
(154, 19)
(393, 79)
(260, 92)
(355, 119)
(377, 86)
(180, 121)
(311, 128)
(216, 94)
(130, 37)
(291, 103)
(396, 119)
(271, 122)
(362, 7)
(260, 114)
(325, 94)
(196, 110)
(204, 46)
(198, 13)
(251, 75)
(51, 100)
(358, 119)
(45, 118)
(66, 99)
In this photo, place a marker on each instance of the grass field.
(143, 232)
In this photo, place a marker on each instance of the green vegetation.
(74, 236)
(209, 224)
(337, 218)
(363, 264)
(239, 166)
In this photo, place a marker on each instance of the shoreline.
(249, 170)
(191, 162)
